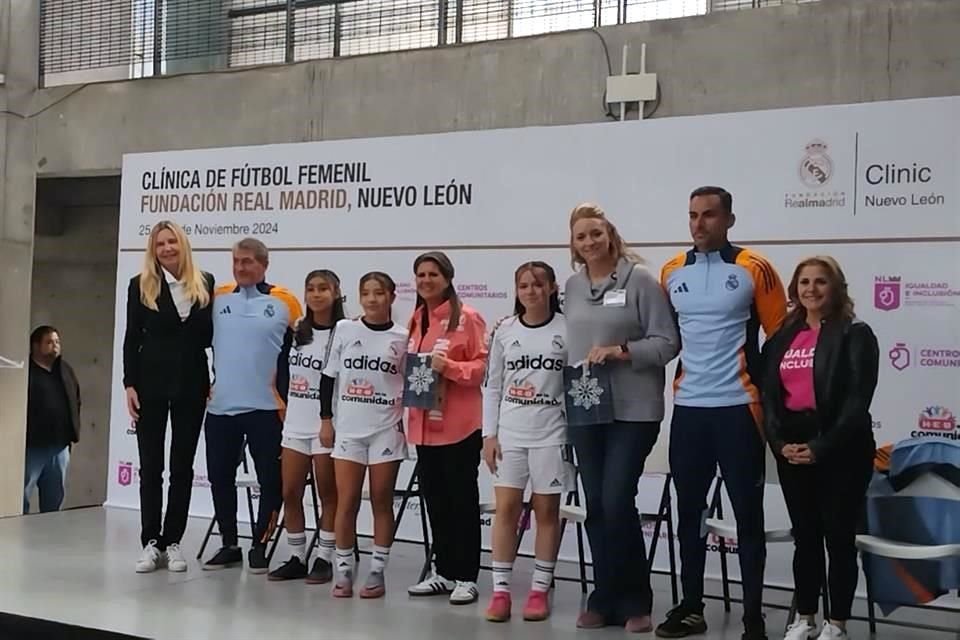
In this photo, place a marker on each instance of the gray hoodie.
(637, 314)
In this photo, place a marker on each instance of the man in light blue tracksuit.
(252, 332)
(722, 295)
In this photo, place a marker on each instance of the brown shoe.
(639, 624)
(590, 620)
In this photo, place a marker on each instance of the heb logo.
(937, 418)
(358, 387)
(299, 384)
(524, 391)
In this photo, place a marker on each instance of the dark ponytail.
(304, 333)
(445, 266)
(533, 266)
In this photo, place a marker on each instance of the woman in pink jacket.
(448, 438)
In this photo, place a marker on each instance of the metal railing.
(95, 40)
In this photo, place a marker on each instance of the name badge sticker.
(615, 298)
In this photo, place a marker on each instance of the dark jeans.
(225, 437)
(186, 419)
(611, 459)
(699, 439)
(825, 502)
(45, 469)
(448, 482)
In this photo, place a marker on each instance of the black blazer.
(845, 366)
(162, 354)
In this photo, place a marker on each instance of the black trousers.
(448, 482)
(186, 419)
(224, 439)
(825, 502)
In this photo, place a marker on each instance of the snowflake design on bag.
(586, 392)
(420, 379)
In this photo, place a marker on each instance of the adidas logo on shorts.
(555, 483)
(387, 452)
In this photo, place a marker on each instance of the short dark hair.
(725, 198)
(40, 334)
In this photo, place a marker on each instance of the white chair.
(657, 464)
(726, 530)
(248, 482)
(928, 485)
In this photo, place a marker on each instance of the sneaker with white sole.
(464, 593)
(175, 560)
(832, 632)
(801, 629)
(149, 558)
(434, 585)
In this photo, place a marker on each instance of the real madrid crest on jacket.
(242, 316)
(523, 389)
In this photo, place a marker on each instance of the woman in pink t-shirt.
(821, 373)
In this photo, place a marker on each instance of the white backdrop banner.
(875, 185)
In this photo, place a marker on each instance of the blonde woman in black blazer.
(165, 372)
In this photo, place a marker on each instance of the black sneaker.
(292, 569)
(257, 559)
(225, 558)
(321, 573)
(682, 621)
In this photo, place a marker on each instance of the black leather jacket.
(845, 367)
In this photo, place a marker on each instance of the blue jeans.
(611, 459)
(700, 438)
(45, 469)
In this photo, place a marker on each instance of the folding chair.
(412, 490)
(316, 518)
(725, 530)
(657, 463)
(248, 482)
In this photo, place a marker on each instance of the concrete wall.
(836, 51)
(75, 266)
(18, 62)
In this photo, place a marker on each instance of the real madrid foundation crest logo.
(816, 171)
(816, 167)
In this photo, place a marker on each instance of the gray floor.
(77, 567)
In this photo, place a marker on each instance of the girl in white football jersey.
(301, 432)
(364, 368)
(525, 434)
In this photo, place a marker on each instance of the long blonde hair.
(193, 281)
(618, 245)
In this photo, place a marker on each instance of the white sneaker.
(832, 632)
(149, 558)
(434, 585)
(800, 629)
(464, 593)
(175, 560)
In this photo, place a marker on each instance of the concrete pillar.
(197, 34)
(19, 47)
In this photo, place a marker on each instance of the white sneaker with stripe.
(434, 585)
(464, 593)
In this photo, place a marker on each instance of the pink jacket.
(461, 403)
